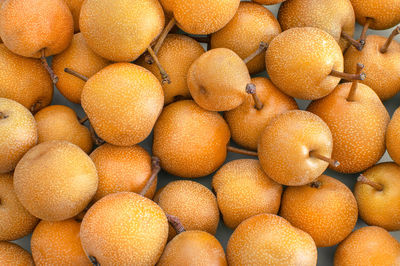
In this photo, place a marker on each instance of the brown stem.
(176, 223)
(241, 151)
(354, 85)
(385, 47)
(251, 89)
(3, 116)
(347, 76)
(263, 46)
(316, 184)
(363, 35)
(164, 75)
(94, 261)
(364, 180)
(149, 58)
(96, 139)
(331, 161)
(155, 169)
(76, 74)
(83, 120)
(43, 60)
(352, 41)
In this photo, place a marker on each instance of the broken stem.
(354, 85)
(155, 169)
(76, 74)
(176, 223)
(251, 89)
(331, 161)
(164, 75)
(242, 151)
(261, 48)
(364, 180)
(96, 139)
(347, 76)
(385, 47)
(315, 184)
(43, 60)
(352, 41)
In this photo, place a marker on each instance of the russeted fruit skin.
(80, 58)
(369, 245)
(29, 26)
(75, 8)
(285, 146)
(193, 248)
(299, 61)
(122, 169)
(380, 208)
(15, 220)
(333, 17)
(24, 80)
(382, 69)
(190, 141)
(384, 14)
(176, 55)
(55, 180)
(244, 190)
(267, 239)
(251, 25)
(358, 128)
(393, 137)
(12, 254)
(124, 229)
(123, 102)
(194, 205)
(328, 212)
(269, 2)
(58, 243)
(204, 17)
(121, 30)
(18, 133)
(247, 123)
(59, 122)
(217, 80)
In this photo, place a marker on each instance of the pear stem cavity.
(364, 180)
(43, 60)
(352, 41)
(251, 89)
(83, 120)
(354, 85)
(385, 47)
(94, 261)
(261, 48)
(176, 223)
(3, 116)
(76, 74)
(96, 139)
(164, 75)
(363, 35)
(155, 169)
(316, 184)
(331, 161)
(149, 58)
(242, 151)
(347, 76)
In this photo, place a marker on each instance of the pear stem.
(261, 48)
(352, 41)
(83, 119)
(164, 75)
(347, 76)
(43, 60)
(331, 161)
(385, 47)
(149, 58)
(242, 151)
(354, 85)
(363, 35)
(3, 116)
(94, 261)
(251, 89)
(155, 169)
(176, 223)
(315, 184)
(96, 139)
(76, 74)
(364, 180)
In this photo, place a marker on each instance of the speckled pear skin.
(285, 145)
(124, 228)
(369, 245)
(190, 141)
(168, 7)
(80, 58)
(204, 17)
(358, 128)
(123, 102)
(246, 123)
(18, 133)
(193, 248)
(24, 80)
(55, 180)
(299, 61)
(251, 25)
(28, 26)
(12, 254)
(380, 208)
(75, 8)
(15, 220)
(121, 30)
(55, 243)
(217, 80)
(176, 55)
(244, 190)
(328, 213)
(122, 169)
(333, 17)
(382, 70)
(268, 239)
(385, 14)
(393, 137)
(268, 2)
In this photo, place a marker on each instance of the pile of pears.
(166, 91)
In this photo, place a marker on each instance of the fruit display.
(213, 132)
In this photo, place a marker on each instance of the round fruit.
(12, 254)
(393, 138)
